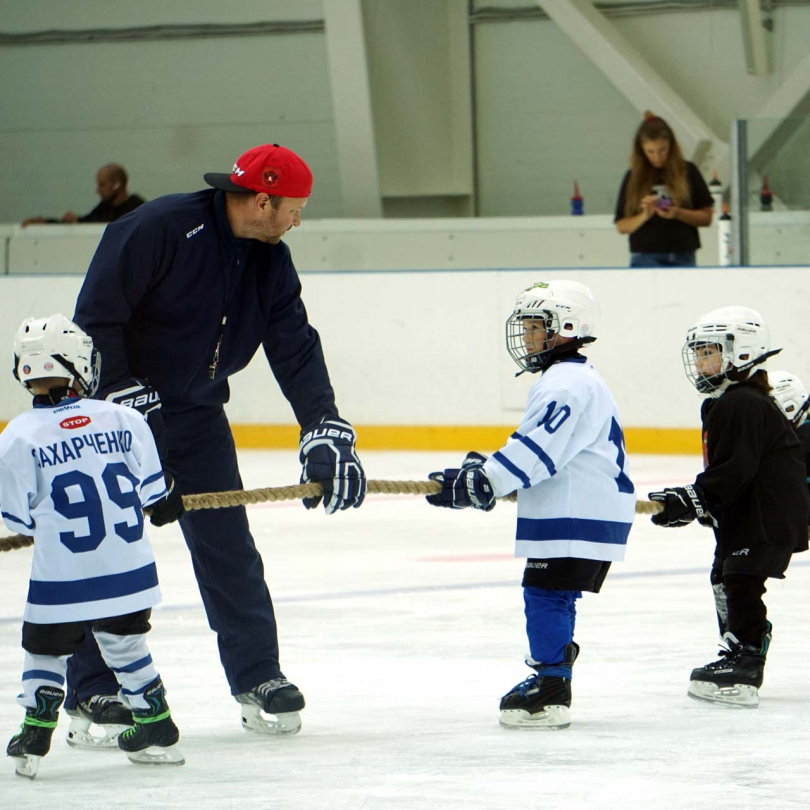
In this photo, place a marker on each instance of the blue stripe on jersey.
(134, 666)
(17, 520)
(156, 497)
(591, 531)
(77, 591)
(42, 675)
(516, 471)
(538, 451)
(152, 478)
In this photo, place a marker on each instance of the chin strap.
(55, 396)
(546, 360)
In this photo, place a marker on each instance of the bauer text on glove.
(681, 505)
(328, 457)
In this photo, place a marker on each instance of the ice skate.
(541, 701)
(104, 712)
(278, 698)
(734, 679)
(153, 738)
(34, 740)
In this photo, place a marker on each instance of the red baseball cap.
(270, 168)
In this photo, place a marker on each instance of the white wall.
(168, 111)
(427, 348)
(543, 115)
(777, 238)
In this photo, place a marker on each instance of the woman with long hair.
(663, 200)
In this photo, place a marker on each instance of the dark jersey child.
(752, 491)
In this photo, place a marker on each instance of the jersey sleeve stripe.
(9, 516)
(516, 471)
(110, 586)
(592, 531)
(42, 675)
(538, 451)
(152, 478)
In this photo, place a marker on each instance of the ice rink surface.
(403, 626)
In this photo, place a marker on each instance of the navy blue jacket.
(158, 288)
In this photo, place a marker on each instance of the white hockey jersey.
(76, 477)
(567, 461)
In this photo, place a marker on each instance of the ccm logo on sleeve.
(73, 422)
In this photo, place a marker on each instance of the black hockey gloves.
(138, 394)
(169, 508)
(328, 457)
(681, 506)
(468, 486)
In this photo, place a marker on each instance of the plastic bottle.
(577, 203)
(724, 238)
(765, 195)
(716, 190)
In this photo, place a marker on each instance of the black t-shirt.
(106, 212)
(659, 235)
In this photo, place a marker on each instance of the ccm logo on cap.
(73, 422)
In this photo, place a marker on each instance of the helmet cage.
(521, 345)
(691, 354)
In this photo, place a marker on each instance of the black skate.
(107, 713)
(277, 697)
(153, 738)
(34, 740)
(734, 679)
(541, 701)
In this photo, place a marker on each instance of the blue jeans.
(683, 258)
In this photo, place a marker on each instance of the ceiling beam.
(635, 78)
(351, 100)
(755, 28)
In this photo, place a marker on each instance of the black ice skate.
(34, 740)
(277, 697)
(734, 679)
(153, 738)
(107, 713)
(541, 701)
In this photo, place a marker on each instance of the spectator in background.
(663, 200)
(111, 186)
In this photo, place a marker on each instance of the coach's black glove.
(468, 486)
(138, 394)
(170, 507)
(328, 457)
(681, 506)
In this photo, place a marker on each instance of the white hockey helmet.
(56, 347)
(739, 336)
(567, 309)
(790, 395)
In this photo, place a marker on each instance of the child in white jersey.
(576, 502)
(75, 474)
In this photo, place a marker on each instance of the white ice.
(403, 626)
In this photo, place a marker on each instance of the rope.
(222, 500)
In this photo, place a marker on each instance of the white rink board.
(427, 348)
(403, 626)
